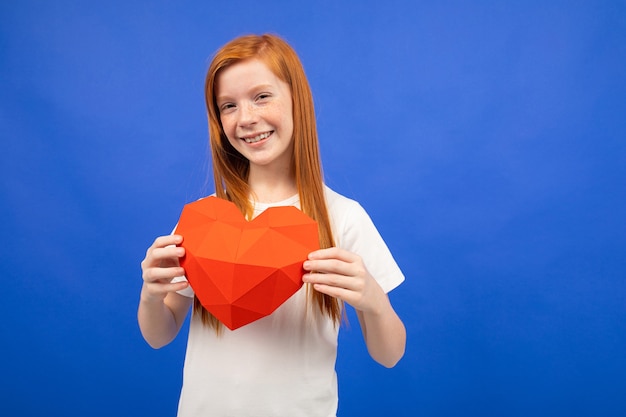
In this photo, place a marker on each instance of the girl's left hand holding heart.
(342, 274)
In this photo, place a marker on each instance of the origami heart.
(242, 271)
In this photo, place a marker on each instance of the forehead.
(244, 75)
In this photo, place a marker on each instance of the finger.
(158, 274)
(150, 263)
(164, 257)
(175, 286)
(161, 290)
(333, 253)
(330, 266)
(333, 280)
(168, 252)
(165, 287)
(163, 241)
(340, 293)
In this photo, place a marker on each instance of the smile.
(257, 138)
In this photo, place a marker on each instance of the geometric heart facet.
(243, 270)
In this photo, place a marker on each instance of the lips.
(257, 138)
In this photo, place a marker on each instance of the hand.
(342, 274)
(160, 266)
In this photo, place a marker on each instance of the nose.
(247, 115)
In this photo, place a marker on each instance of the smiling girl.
(265, 153)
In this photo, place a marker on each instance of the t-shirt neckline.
(290, 201)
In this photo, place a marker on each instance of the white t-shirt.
(282, 364)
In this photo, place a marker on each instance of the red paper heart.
(242, 271)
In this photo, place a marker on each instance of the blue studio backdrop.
(486, 139)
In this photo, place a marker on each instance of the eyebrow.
(257, 87)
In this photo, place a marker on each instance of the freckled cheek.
(228, 126)
(281, 117)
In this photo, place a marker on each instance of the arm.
(343, 275)
(162, 311)
(384, 334)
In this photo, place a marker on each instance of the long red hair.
(230, 168)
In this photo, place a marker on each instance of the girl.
(265, 153)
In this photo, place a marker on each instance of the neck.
(270, 186)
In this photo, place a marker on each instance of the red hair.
(230, 168)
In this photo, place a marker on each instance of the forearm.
(384, 333)
(157, 322)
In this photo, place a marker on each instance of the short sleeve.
(187, 292)
(355, 232)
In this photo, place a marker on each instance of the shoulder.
(340, 205)
(354, 231)
(349, 219)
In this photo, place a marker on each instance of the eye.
(263, 96)
(225, 107)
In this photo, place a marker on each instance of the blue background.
(486, 139)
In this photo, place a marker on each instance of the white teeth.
(257, 138)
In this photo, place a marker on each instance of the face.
(255, 109)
